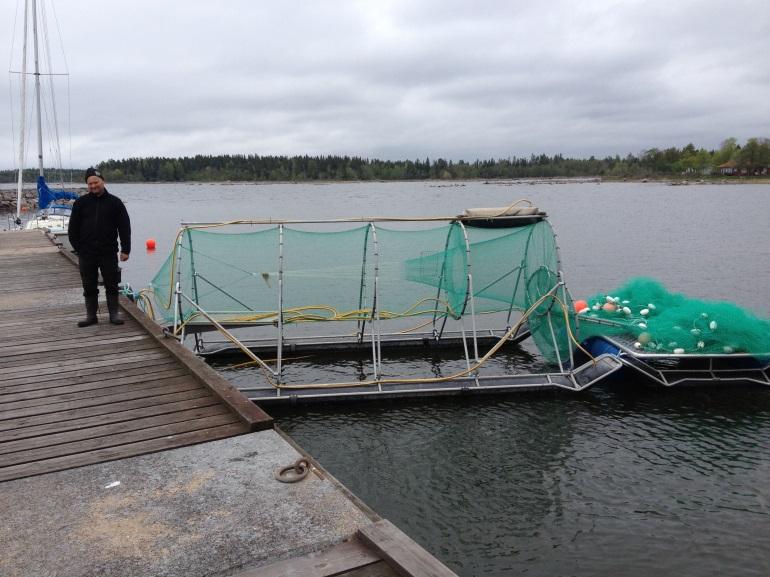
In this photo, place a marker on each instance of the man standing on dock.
(98, 219)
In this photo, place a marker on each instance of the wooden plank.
(337, 560)
(43, 323)
(13, 272)
(12, 275)
(68, 326)
(35, 382)
(401, 552)
(94, 392)
(42, 270)
(67, 338)
(123, 417)
(117, 439)
(176, 385)
(379, 569)
(21, 270)
(33, 313)
(16, 237)
(48, 368)
(9, 320)
(59, 309)
(93, 382)
(68, 358)
(109, 342)
(30, 250)
(250, 413)
(104, 430)
(121, 452)
(50, 258)
(74, 349)
(30, 288)
(54, 279)
(9, 267)
(76, 355)
(66, 322)
(72, 345)
(19, 422)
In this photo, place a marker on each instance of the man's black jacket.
(95, 224)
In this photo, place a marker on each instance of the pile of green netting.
(660, 321)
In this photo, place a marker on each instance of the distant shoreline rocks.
(28, 199)
(8, 200)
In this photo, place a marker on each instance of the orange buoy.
(150, 244)
(609, 307)
(580, 306)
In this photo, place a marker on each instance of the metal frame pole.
(376, 328)
(177, 305)
(437, 334)
(555, 343)
(178, 285)
(279, 356)
(565, 295)
(513, 295)
(469, 296)
(39, 114)
(193, 274)
(362, 288)
(23, 121)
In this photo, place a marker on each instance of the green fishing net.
(444, 272)
(660, 321)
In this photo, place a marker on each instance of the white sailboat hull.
(54, 223)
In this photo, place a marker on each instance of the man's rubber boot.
(112, 307)
(92, 305)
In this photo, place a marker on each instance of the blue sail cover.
(45, 195)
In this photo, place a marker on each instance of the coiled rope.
(293, 473)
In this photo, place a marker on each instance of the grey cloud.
(405, 79)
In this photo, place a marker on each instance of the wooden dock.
(82, 406)
(74, 396)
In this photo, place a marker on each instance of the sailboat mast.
(23, 123)
(37, 91)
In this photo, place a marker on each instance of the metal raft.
(470, 324)
(669, 370)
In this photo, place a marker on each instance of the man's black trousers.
(89, 273)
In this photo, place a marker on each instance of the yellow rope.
(512, 331)
(298, 315)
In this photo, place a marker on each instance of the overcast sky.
(400, 79)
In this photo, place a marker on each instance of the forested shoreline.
(750, 159)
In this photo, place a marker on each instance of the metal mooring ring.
(294, 472)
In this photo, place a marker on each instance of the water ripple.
(606, 483)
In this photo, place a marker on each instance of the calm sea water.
(618, 480)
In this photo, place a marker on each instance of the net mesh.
(665, 322)
(367, 271)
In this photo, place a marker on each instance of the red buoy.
(580, 306)
(150, 244)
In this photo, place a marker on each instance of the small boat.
(502, 217)
(51, 216)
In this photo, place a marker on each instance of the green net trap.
(367, 273)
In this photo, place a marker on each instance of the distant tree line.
(750, 159)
